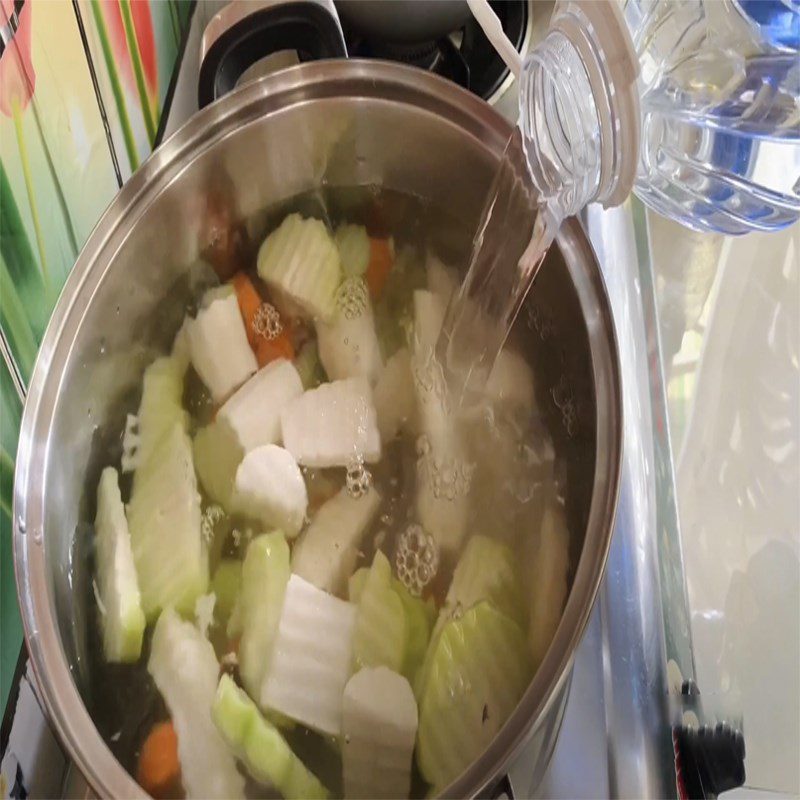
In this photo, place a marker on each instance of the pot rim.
(298, 84)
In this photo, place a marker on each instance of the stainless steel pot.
(340, 123)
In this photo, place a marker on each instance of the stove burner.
(465, 56)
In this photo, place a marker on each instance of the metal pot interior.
(320, 125)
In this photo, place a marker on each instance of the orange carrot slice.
(249, 303)
(159, 770)
(380, 264)
(269, 349)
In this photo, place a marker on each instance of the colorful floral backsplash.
(83, 87)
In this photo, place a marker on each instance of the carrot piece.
(159, 770)
(249, 303)
(269, 349)
(380, 264)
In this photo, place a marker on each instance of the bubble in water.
(211, 516)
(359, 478)
(267, 322)
(565, 402)
(417, 559)
(448, 477)
(351, 297)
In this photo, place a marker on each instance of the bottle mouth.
(600, 36)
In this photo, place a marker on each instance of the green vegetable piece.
(121, 617)
(217, 455)
(165, 526)
(226, 584)
(300, 260)
(308, 366)
(265, 573)
(355, 585)
(161, 405)
(476, 672)
(380, 631)
(486, 571)
(418, 630)
(260, 746)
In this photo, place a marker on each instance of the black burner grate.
(465, 56)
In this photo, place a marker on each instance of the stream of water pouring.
(513, 237)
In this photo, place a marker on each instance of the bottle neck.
(579, 113)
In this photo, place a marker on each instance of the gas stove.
(464, 55)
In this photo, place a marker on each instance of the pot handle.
(243, 33)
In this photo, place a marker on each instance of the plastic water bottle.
(695, 103)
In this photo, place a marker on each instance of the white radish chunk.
(269, 487)
(442, 280)
(254, 411)
(348, 344)
(327, 551)
(311, 657)
(332, 425)
(185, 671)
(379, 726)
(444, 471)
(510, 382)
(395, 401)
(548, 593)
(218, 347)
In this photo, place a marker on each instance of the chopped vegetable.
(419, 620)
(265, 573)
(395, 401)
(311, 658)
(326, 552)
(250, 302)
(217, 454)
(300, 259)
(332, 425)
(260, 746)
(253, 412)
(354, 249)
(271, 349)
(379, 723)
(121, 617)
(164, 520)
(510, 382)
(308, 365)
(161, 405)
(226, 585)
(185, 671)
(219, 349)
(444, 471)
(269, 487)
(159, 770)
(486, 571)
(180, 347)
(442, 280)
(381, 258)
(429, 311)
(355, 584)
(380, 633)
(348, 345)
(548, 593)
(475, 673)
(393, 311)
